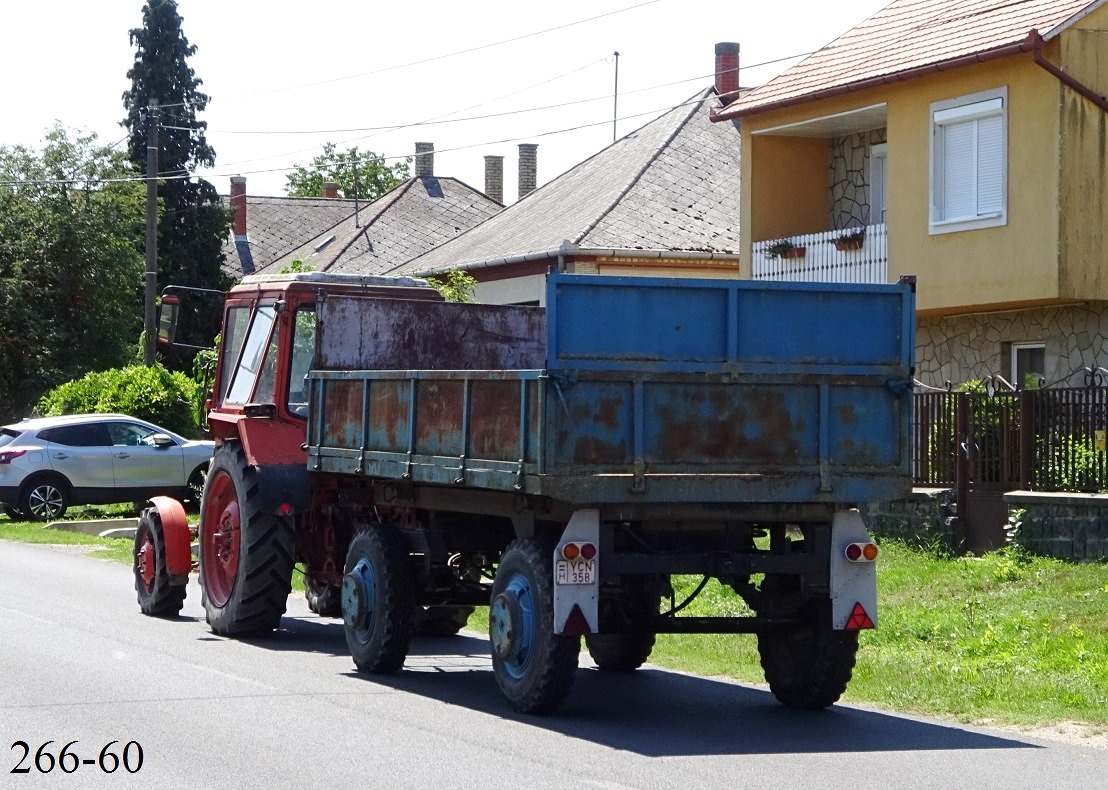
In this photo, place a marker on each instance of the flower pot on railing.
(851, 240)
(783, 248)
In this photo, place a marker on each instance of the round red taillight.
(853, 552)
(571, 551)
(588, 551)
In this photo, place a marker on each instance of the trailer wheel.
(441, 620)
(809, 666)
(156, 596)
(377, 609)
(619, 652)
(534, 667)
(323, 599)
(246, 557)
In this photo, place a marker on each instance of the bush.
(154, 394)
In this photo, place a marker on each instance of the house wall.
(960, 348)
(789, 178)
(1083, 174)
(850, 182)
(513, 290)
(1013, 263)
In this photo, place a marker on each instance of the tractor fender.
(178, 537)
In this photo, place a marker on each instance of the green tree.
(193, 222)
(70, 266)
(454, 285)
(375, 178)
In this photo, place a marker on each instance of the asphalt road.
(79, 662)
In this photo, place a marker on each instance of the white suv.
(50, 463)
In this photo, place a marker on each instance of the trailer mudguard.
(853, 583)
(178, 538)
(577, 580)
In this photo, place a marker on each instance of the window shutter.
(990, 165)
(958, 193)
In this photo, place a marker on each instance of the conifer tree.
(193, 222)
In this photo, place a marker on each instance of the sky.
(284, 78)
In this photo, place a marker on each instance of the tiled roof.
(407, 221)
(668, 186)
(912, 34)
(274, 225)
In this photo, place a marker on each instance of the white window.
(969, 162)
(1028, 363)
(878, 157)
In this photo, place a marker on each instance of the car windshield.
(9, 435)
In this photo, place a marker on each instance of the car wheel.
(44, 499)
(13, 513)
(195, 488)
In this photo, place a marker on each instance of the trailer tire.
(809, 666)
(323, 599)
(442, 620)
(246, 556)
(619, 652)
(534, 666)
(377, 608)
(157, 597)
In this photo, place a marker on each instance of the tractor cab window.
(303, 351)
(252, 355)
(234, 332)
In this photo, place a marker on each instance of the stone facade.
(924, 518)
(959, 348)
(1067, 526)
(850, 201)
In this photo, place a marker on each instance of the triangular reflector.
(858, 619)
(576, 622)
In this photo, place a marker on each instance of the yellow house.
(964, 142)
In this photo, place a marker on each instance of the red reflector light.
(859, 619)
(861, 552)
(576, 622)
(588, 551)
(571, 551)
(8, 457)
(284, 509)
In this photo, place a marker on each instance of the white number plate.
(575, 572)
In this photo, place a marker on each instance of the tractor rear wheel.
(246, 556)
(441, 620)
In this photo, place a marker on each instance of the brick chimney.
(330, 189)
(424, 160)
(494, 178)
(238, 205)
(727, 71)
(528, 169)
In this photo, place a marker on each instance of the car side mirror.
(161, 441)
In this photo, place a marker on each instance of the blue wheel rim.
(358, 594)
(518, 661)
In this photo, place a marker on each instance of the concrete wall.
(1067, 526)
(850, 187)
(923, 519)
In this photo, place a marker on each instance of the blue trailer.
(561, 466)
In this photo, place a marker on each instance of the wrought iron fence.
(1041, 439)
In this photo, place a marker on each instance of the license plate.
(575, 572)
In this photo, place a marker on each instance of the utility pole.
(152, 122)
(615, 99)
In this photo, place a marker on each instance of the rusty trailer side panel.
(744, 421)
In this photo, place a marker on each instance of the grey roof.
(672, 185)
(407, 221)
(276, 224)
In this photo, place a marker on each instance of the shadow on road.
(652, 712)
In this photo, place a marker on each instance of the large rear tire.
(323, 599)
(534, 667)
(156, 596)
(809, 666)
(619, 652)
(377, 608)
(246, 556)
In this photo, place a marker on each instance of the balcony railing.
(823, 263)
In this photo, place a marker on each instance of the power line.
(458, 52)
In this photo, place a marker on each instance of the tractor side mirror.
(167, 319)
